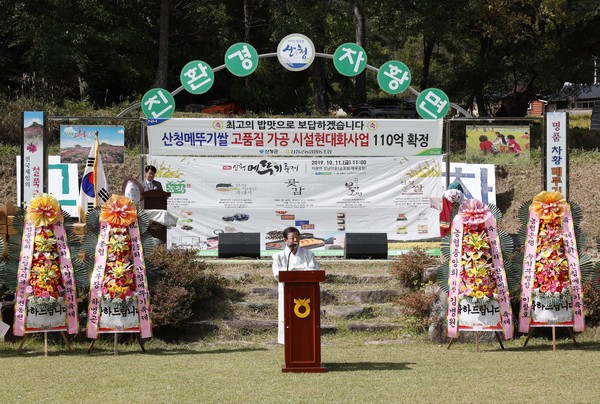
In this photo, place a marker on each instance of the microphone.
(292, 248)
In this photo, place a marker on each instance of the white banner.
(117, 318)
(294, 137)
(323, 197)
(33, 152)
(63, 184)
(477, 180)
(556, 152)
(479, 315)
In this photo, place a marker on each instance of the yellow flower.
(117, 243)
(43, 210)
(43, 244)
(548, 205)
(479, 294)
(476, 240)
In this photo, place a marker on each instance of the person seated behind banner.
(292, 258)
(453, 196)
(150, 184)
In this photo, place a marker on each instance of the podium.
(302, 318)
(157, 199)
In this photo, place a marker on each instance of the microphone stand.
(289, 255)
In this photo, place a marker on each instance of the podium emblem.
(302, 303)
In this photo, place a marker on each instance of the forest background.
(96, 58)
(496, 55)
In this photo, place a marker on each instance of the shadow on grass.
(162, 351)
(175, 351)
(562, 345)
(103, 350)
(358, 366)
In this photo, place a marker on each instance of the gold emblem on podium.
(302, 303)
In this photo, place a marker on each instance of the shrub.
(184, 289)
(591, 301)
(409, 267)
(418, 305)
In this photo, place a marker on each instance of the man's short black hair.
(289, 230)
(150, 168)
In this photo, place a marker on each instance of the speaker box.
(239, 245)
(366, 246)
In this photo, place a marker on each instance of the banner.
(556, 153)
(76, 142)
(94, 188)
(294, 137)
(34, 142)
(498, 144)
(478, 181)
(323, 197)
(63, 184)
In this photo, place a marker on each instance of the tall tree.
(162, 70)
(360, 89)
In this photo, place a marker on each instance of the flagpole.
(96, 169)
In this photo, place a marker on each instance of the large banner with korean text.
(294, 137)
(324, 197)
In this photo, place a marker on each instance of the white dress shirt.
(303, 260)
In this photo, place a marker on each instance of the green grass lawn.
(361, 368)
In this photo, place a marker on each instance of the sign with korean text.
(158, 103)
(63, 184)
(296, 52)
(294, 137)
(324, 197)
(33, 154)
(197, 77)
(433, 103)
(241, 59)
(394, 77)
(350, 59)
(478, 181)
(556, 153)
(479, 316)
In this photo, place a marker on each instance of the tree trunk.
(319, 84)
(247, 17)
(360, 88)
(428, 46)
(482, 108)
(163, 46)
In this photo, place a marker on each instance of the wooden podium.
(302, 316)
(157, 199)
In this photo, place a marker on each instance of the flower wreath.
(476, 268)
(553, 268)
(45, 275)
(119, 275)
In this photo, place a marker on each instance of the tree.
(163, 46)
(360, 89)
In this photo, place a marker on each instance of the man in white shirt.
(292, 258)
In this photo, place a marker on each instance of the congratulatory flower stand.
(553, 272)
(46, 298)
(118, 288)
(478, 292)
